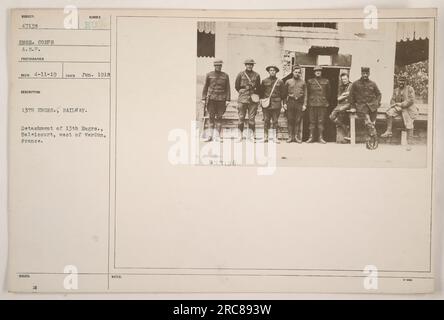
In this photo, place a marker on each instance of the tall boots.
(252, 128)
(290, 134)
(252, 132)
(214, 133)
(388, 133)
(341, 126)
(321, 136)
(346, 131)
(209, 137)
(275, 133)
(274, 137)
(311, 137)
(218, 136)
(240, 127)
(296, 137)
(293, 134)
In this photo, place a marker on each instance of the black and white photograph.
(346, 91)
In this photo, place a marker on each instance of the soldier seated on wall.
(402, 104)
(339, 115)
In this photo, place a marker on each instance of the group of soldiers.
(361, 97)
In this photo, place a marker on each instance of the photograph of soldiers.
(295, 104)
(247, 84)
(216, 95)
(402, 104)
(318, 91)
(273, 89)
(317, 74)
(365, 99)
(339, 114)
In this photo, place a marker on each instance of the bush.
(417, 75)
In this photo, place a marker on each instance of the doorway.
(332, 74)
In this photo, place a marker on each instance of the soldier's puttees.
(273, 92)
(247, 85)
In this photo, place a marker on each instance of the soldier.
(318, 93)
(296, 103)
(216, 96)
(365, 99)
(274, 89)
(339, 114)
(402, 103)
(247, 84)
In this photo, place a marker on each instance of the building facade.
(337, 46)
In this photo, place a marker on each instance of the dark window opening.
(327, 25)
(206, 44)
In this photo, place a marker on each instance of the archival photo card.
(179, 151)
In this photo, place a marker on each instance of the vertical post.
(301, 127)
(403, 138)
(352, 128)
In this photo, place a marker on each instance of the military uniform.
(365, 97)
(296, 99)
(407, 108)
(403, 103)
(339, 114)
(216, 92)
(246, 88)
(277, 96)
(318, 93)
